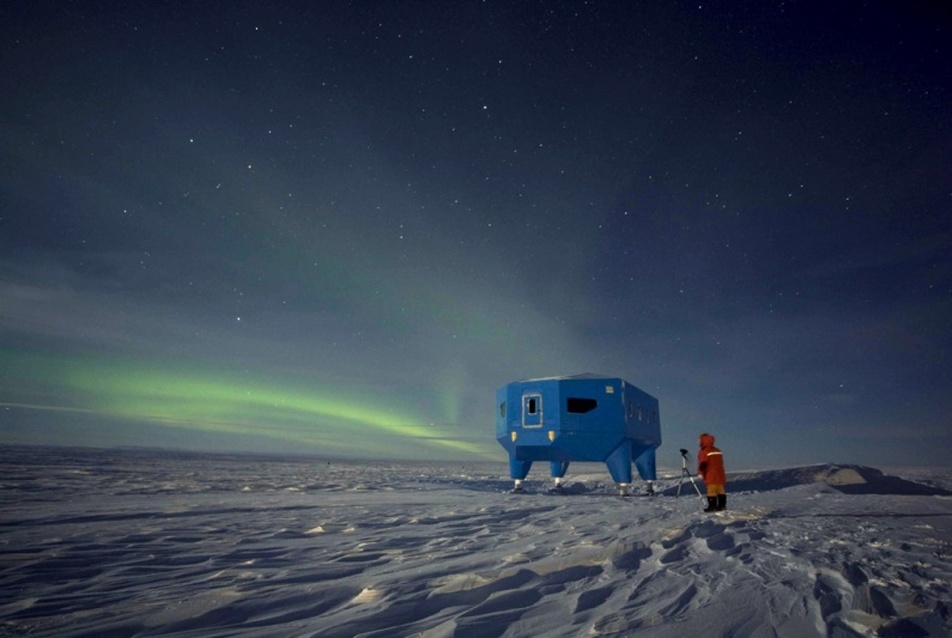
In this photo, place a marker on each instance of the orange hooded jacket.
(710, 462)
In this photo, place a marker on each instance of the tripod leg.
(696, 488)
(684, 473)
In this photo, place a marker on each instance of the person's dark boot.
(711, 504)
(721, 502)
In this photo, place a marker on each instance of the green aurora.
(321, 419)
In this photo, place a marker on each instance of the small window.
(581, 406)
(640, 414)
(531, 406)
(502, 410)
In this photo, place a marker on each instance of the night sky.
(337, 227)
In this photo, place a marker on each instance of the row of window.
(578, 405)
(643, 415)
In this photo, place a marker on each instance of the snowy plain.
(148, 543)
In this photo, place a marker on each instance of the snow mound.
(849, 479)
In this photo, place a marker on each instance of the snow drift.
(145, 544)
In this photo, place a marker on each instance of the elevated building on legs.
(578, 418)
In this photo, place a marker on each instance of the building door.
(532, 410)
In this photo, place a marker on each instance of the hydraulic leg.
(558, 469)
(619, 466)
(518, 470)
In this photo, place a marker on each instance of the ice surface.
(142, 543)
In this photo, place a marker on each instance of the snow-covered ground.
(139, 543)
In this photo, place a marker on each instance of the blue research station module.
(578, 418)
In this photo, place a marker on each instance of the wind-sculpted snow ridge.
(850, 479)
(137, 543)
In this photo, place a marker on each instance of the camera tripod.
(684, 472)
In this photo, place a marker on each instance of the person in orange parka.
(710, 467)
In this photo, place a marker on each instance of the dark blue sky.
(339, 227)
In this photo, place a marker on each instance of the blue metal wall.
(579, 418)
